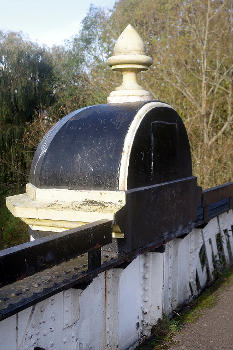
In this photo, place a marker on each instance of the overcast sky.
(47, 22)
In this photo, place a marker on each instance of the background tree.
(95, 42)
(191, 45)
(26, 86)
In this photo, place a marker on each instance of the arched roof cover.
(113, 147)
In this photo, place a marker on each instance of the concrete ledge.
(60, 209)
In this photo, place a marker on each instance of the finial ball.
(129, 42)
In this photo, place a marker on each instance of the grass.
(13, 231)
(165, 329)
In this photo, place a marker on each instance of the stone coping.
(61, 209)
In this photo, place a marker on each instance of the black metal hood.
(113, 147)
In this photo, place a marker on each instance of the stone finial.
(129, 58)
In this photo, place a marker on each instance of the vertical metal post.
(206, 214)
(94, 259)
(231, 203)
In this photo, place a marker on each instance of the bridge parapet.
(116, 304)
(144, 238)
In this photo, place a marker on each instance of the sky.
(47, 22)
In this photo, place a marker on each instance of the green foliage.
(80, 67)
(12, 230)
(94, 40)
(26, 79)
(26, 86)
(95, 43)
